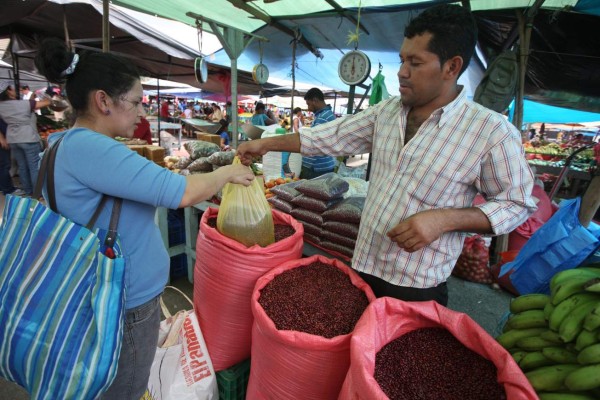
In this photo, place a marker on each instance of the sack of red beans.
(304, 314)
(473, 262)
(224, 277)
(408, 350)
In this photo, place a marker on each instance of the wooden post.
(590, 202)
(105, 27)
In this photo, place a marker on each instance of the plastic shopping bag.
(386, 319)
(182, 369)
(245, 214)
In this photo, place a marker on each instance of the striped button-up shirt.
(460, 150)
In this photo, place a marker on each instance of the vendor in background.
(298, 120)
(224, 134)
(26, 93)
(143, 131)
(6, 183)
(433, 150)
(106, 93)
(165, 114)
(217, 114)
(313, 166)
(260, 117)
(21, 132)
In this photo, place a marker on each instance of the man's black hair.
(453, 29)
(314, 93)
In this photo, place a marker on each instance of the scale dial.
(201, 69)
(354, 67)
(260, 73)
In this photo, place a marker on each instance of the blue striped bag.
(61, 299)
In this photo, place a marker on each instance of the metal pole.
(105, 27)
(234, 96)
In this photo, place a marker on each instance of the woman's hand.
(240, 174)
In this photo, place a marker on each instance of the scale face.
(260, 73)
(201, 69)
(354, 67)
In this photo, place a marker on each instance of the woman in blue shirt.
(260, 118)
(106, 95)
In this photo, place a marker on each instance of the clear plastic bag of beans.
(342, 228)
(307, 216)
(338, 239)
(280, 204)
(348, 210)
(316, 205)
(387, 319)
(325, 187)
(286, 191)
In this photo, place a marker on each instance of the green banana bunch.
(533, 360)
(518, 355)
(572, 325)
(509, 339)
(551, 378)
(559, 355)
(584, 378)
(592, 320)
(565, 396)
(586, 338)
(533, 301)
(551, 336)
(566, 307)
(593, 285)
(548, 308)
(533, 343)
(589, 355)
(569, 274)
(527, 319)
(568, 288)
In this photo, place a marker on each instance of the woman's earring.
(107, 112)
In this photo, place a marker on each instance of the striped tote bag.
(61, 301)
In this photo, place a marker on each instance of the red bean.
(430, 363)
(317, 298)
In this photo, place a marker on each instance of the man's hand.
(247, 150)
(419, 230)
(3, 142)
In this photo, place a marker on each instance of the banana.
(533, 301)
(533, 343)
(592, 320)
(518, 355)
(527, 319)
(548, 308)
(551, 336)
(534, 360)
(586, 338)
(508, 339)
(564, 396)
(589, 355)
(593, 285)
(550, 378)
(569, 274)
(565, 275)
(562, 310)
(568, 288)
(584, 378)
(573, 323)
(559, 355)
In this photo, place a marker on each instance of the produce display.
(317, 298)
(46, 126)
(473, 262)
(430, 363)
(556, 339)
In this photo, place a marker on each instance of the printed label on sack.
(193, 360)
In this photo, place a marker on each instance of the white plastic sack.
(182, 369)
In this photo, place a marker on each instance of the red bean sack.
(293, 364)
(224, 277)
(387, 319)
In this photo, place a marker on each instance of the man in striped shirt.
(313, 166)
(432, 151)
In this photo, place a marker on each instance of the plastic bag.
(312, 204)
(561, 243)
(349, 210)
(200, 148)
(326, 187)
(473, 262)
(387, 319)
(287, 191)
(245, 214)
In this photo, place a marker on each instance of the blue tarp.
(538, 112)
(588, 7)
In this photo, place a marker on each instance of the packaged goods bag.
(224, 277)
(182, 369)
(62, 297)
(289, 363)
(387, 319)
(561, 243)
(473, 262)
(245, 214)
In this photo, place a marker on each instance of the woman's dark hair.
(94, 71)
(259, 106)
(453, 29)
(4, 94)
(297, 110)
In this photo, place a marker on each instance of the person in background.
(106, 94)
(298, 120)
(260, 118)
(228, 111)
(142, 130)
(314, 166)
(26, 93)
(224, 134)
(165, 115)
(189, 111)
(433, 150)
(21, 132)
(6, 183)
(217, 114)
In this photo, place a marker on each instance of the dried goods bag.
(200, 164)
(224, 277)
(341, 240)
(386, 319)
(325, 187)
(316, 205)
(287, 191)
(280, 204)
(289, 364)
(307, 216)
(342, 228)
(348, 210)
(473, 262)
(221, 158)
(245, 215)
(200, 148)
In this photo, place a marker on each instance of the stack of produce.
(203, 157)
(340, 226)
(556, 339)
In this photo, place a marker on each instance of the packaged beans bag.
(325, 187)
